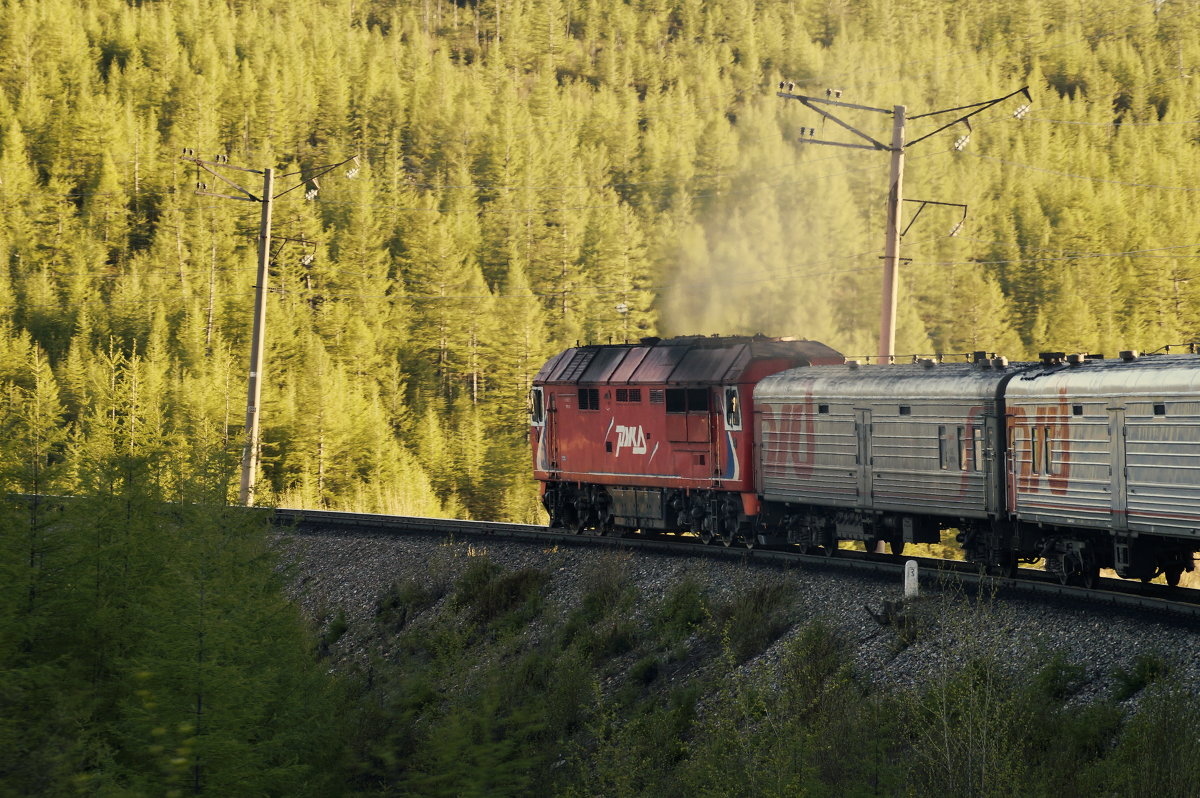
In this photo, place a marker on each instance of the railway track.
(1180, 603)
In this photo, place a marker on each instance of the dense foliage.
(631, 694)
(541, 172)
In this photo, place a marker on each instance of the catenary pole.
(262, 283)
(254, 391)
(832, 102)
(891, 253)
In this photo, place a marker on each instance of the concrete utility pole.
(891, 252)
(258, 337)
(254, 393)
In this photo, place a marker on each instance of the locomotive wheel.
(705, 533)
(896, 545)
(1173, 573)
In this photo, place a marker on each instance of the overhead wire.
(1075, 176)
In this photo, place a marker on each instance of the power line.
(1078, 176)
(1080, 256)
(1102, 124)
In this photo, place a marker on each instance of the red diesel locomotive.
(658, 434)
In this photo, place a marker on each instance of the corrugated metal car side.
(1162, 466)
(808, 457)
(912, 472)
(1074, 487)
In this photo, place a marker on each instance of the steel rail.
(932, 572)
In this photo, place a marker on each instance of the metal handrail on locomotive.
(1079, 461)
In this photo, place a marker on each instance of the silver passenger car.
(919, 440)
(1112, 444)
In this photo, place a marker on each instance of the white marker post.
(911, 585)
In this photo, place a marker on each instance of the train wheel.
(1090, 577)
(1006, 569)
(1065, 571)
(897, 546)
(1173, 572)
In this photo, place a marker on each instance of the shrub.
(400, 603)
(682, 611)
(491, 594)
(1147, 668)
(1058, 679)
(754, 619)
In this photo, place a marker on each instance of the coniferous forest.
(529, 173)
(539, 173)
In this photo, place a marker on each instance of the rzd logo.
(632, 438)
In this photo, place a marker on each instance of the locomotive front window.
(536, 408)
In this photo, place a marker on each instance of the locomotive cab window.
(687, 400)
(733, 409)
(537, 412)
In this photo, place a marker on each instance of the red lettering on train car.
(1059, 474)
(1034, 442)
(791, 430)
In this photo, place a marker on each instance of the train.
(1074, 460)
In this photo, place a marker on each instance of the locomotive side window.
(687, 400)
(977, 440)
(589, 398)
(733, 409)
(629, 395)
(537, 411)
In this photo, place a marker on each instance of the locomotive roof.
(1141, 377)
(691, 360)
(899, 381)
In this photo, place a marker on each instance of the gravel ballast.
(349, 572)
